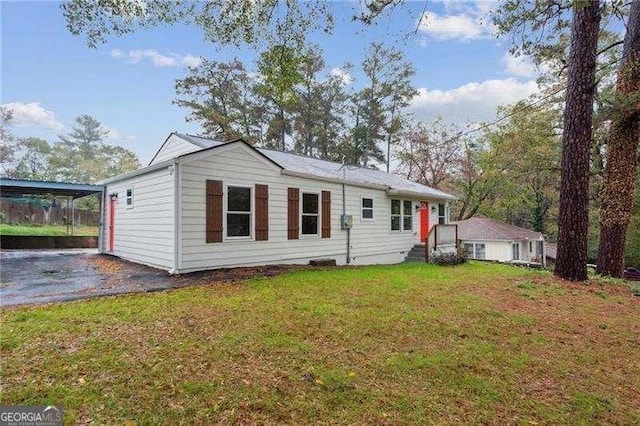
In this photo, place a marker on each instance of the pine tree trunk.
(616, 196)
(573, 219)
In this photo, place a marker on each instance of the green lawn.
(28, 230)
(415, 343)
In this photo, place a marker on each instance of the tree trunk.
(573, 218)
(619, 178)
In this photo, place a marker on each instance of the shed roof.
(330, 170)
(20, 187)
(482, 228)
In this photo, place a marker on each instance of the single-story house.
(203, 204)
(488, 239)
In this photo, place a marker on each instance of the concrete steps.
(416, 254)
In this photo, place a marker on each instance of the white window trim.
(409, 215)
(474, 250)
(362, 208)
(126, 198)
(317, 194)
(225, 201)
(402, 216)
(391, 200)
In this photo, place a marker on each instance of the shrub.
(635, 290)
(447, 258)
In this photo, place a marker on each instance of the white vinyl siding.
(144, 234)
(173, 147)
(371, 242)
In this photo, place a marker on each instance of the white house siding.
(494, 250)
(144, 233)
(371, 242)
(173, 147)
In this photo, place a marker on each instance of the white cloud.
(462, 21)
(32, 114)
(520, 66)
(471, 101)
(343, 75)
(158, 59)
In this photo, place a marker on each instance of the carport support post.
(73, 214)
(67, 221)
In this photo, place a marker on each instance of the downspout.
(103, 206)
(344, 209)
(174, 169)
(344, 212)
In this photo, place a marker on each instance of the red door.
(424, 221)
(112, 214)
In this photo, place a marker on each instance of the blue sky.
(50, 76)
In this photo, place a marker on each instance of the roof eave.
(427, 195)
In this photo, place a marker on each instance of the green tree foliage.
(387, 90)
(221, 96)
(7, 139)
(524, 158)
(82, 156)
(33, 162)
(280, 72)
(257, 23)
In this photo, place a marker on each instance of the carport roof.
(18, 187)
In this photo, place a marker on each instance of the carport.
(18, 188)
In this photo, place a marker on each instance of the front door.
(112, 214)
(424, 221)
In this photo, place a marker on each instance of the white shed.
(487, 239)
(204, 204)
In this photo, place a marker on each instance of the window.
(475, 250)
(367, 209)
(130, 198)
(407, 215)
(310, 213)
(442, 217)
(530, 247)
(401, 215)
(515, 249)
(238, 211)
(395, 215)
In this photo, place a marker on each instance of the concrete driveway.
(30, 277)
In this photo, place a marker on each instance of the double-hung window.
(367, 209)
(310, 213)
(442, 215)
(401, 215)
(130, 198)
(396, 215)
(475, 250)
(407, 215)
(238, 212)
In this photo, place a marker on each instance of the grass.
(415, 343)
(46, 230)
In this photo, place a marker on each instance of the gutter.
(414, 194)
(138, 172)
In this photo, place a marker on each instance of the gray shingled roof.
(334, 171)
(482, 228)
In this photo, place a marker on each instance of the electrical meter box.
(346, 221)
